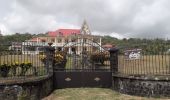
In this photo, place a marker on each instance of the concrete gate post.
(114, 60)
(49, 52)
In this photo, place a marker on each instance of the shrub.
(99, 57)
(14, 68)
(4, 70)
(24, 67)
(59, 57)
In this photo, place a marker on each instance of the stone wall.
(34, 89)
(143, 86)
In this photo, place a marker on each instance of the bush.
(24, 67)
(99, 57)
(14, 68)
(59, 57)
(4, 70)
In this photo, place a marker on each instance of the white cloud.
(4, 30)
(120, 18)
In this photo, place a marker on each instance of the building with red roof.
(66, 37)
(63, 32)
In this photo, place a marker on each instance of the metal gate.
(82, 62)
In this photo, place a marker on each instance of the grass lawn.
(92, 94)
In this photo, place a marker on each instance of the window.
(60, 34)
(94, 49)
(85, 40)
(66, 40)
(96, 40)
(59, 40)
(84, 49)
(73, 40)
(52, 40)
(73, 33)
(73, 49)
(43, 40)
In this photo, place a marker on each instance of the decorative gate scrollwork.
(82, 54)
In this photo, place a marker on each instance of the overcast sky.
(119, 18)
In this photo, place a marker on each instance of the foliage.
(59, 57)
(6, 40)
(148, 46)
(4, 70)
(24, 67)
(99, 57)
(14, 68)
(42, 57)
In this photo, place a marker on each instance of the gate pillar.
(114, 60)
(49, 52)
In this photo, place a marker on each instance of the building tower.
(85, 29)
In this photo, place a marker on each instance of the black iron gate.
(82, 62)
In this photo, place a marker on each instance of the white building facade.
(71, 40)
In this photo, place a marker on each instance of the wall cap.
(113, 50)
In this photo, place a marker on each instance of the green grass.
(92, 94)
(69, 63)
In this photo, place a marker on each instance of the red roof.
(64, 32)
